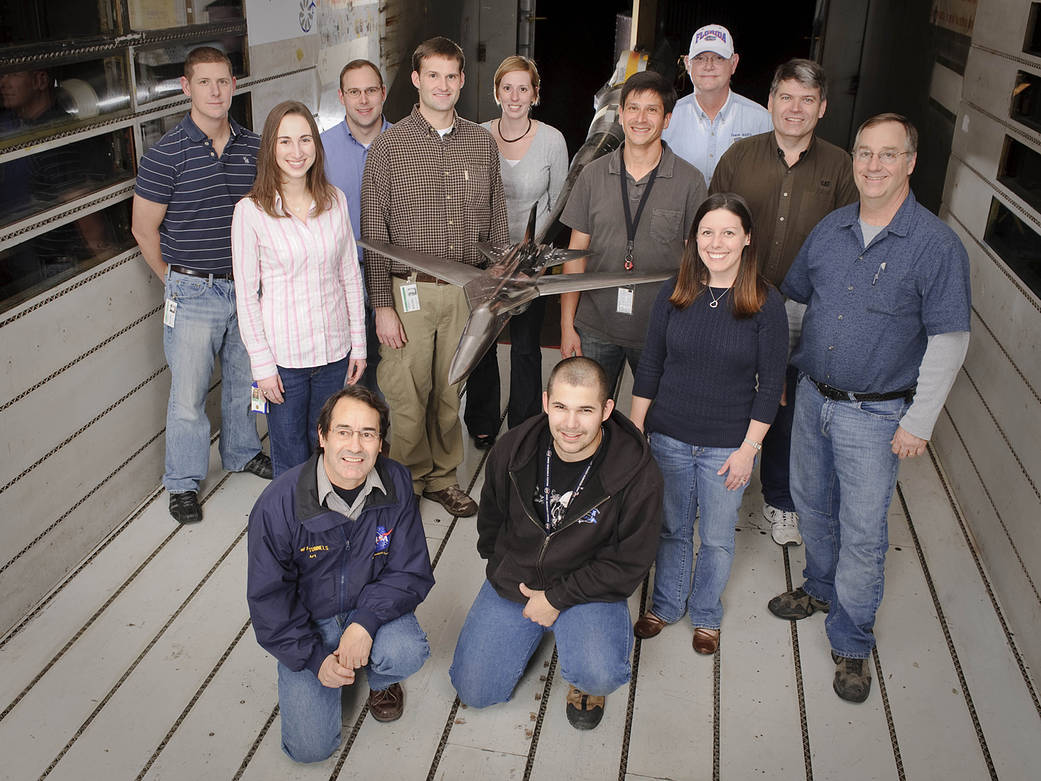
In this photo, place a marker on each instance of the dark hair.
(649, 81)
(582, 372)
(806, 72)
(749, 288)
(354, 65)
(269, 176)
(205, 54)
(900, 119)
(358, 393)
(437, 47)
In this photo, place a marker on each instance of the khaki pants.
(425, 430)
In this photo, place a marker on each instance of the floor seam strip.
(537, 731)
(623, 764)
(800, 692)
(889, 715)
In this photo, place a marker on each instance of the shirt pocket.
(477, 186)
(665, 225)
(894, 297)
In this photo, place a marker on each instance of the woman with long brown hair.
(706, 391)
(299, 288)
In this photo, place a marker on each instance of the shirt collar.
(899, 225)
(802, 154)
(668, 159)
(335, 503)
(427, 129)
(721, 114)
(350, 135)
(279, 208)
(196, 135)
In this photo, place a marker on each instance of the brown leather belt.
(420, 277)
(192, 272)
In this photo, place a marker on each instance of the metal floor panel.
(143, 665)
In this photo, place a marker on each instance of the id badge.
(625, 301)
(170, 313)
(410, 297)
(257, 403)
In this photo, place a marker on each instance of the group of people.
(815, 321)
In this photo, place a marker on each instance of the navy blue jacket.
(307, 562)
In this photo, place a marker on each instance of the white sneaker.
(784, 525)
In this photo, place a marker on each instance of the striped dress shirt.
(441, 196)
(299, 288)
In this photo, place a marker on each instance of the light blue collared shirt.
(702, 141)
(344, 165)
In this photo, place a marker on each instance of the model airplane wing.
(448, 270)
(576, 283)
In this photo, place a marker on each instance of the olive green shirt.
(786, 202)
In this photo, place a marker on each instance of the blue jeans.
(205, 326)
(843, 476)
(594, 641)
(293, 424)
(310, 712)
(774, 471)
(691, 484)
(610, 356)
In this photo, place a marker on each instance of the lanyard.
(632, 224)
(546, 490)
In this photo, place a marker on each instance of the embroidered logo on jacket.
(590, 517)
(382, 541)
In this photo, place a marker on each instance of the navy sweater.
(700, 367)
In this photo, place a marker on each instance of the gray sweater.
(538, 176)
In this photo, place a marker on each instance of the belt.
(194, 272)
(840, 395)
(420, 277)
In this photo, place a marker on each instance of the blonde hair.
(512, 64)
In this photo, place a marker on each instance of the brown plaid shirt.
(430, 195)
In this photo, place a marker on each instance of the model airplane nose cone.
(481, 330)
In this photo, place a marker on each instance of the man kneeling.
(338, 562)
(568, 521)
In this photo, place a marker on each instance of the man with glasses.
(337, 563)
(346, 146)
(705, 123)
(885, 332)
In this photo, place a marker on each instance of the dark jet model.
(507, 287)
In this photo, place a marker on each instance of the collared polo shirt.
(595, 207)
(327, 497)
(200, 191)
(438, 195)
(786, 202)
(345, 158)
(871, 310)
(702, 141)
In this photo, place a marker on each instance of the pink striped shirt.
(298, 288)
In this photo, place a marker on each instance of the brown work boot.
(387, 705)
(584, 711)
(454, 500)
(648, 625)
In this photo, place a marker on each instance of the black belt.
(194, 272)
(840, 395)
(420, 277)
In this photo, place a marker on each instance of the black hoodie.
(608, 538)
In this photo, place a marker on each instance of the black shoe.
(484, 441)
(260, 465)
(184, 507)
(793, 605)
(584, 711)
(852, 678)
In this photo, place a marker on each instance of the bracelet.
(757, 445)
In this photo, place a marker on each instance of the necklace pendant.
(713, 304)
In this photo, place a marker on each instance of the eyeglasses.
(885, 157)
(370, 92)
(365, 434)
(708, 59)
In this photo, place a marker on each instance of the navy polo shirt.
(871, 310)
(200, 191)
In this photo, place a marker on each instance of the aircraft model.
(507, 287)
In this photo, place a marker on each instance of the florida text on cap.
(712, 38)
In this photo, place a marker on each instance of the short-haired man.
(569, 522)
(187, 188)
(338, 562)
(362, 94)
(431, 184)
(885, 332)
(706, 122)
(633, 210)
(791, 180)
